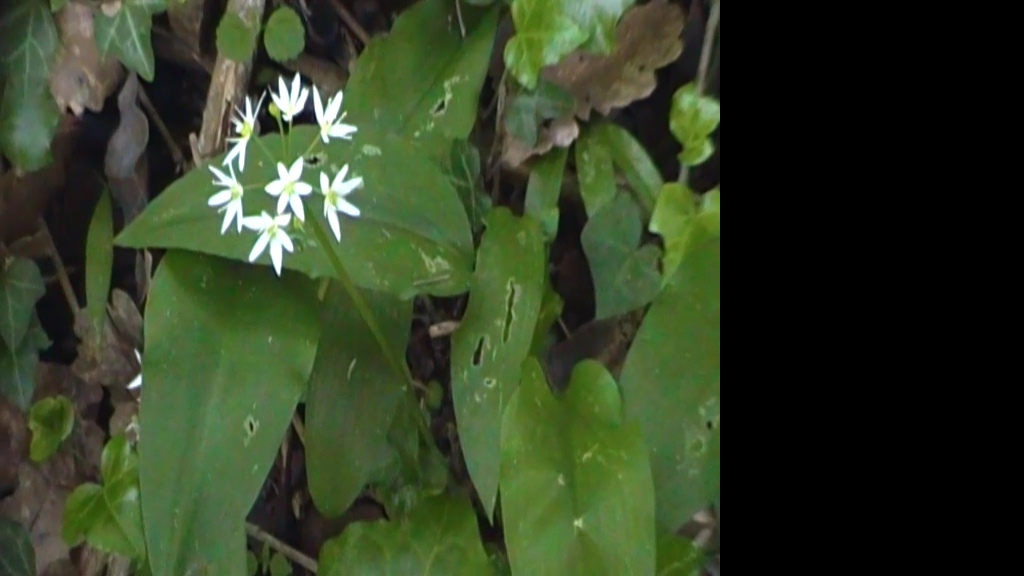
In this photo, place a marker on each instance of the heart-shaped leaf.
(18, 366)
(17, 557)
(123, 29)
(51, 421)
(692, 120)
(21, 285)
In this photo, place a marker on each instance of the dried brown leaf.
(125, 164)
(561, 133)
(109, 359)
(81, 79)
(647, 38)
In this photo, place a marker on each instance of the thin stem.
(710, 31)
(283, 549)
(62, 274)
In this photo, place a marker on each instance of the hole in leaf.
(440, 107)
(314, 160)
(510, 303)
(479, 352)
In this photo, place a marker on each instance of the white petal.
(275, 188)
(347, 187)
(347, 207)
(334, 106)
(282, 201)
(282, 220)
(227, 222)
(300, 102)
(332, 219)
(222, 197)
(325, 184)
(296, 204)
(282, 172)
(302, 188)
(318, 106)
(342, 131)
(285, 240)
(276, 256)
(235, 210)
(295, 172)
(222, 178)
(136, 383)
(253, 223)
(261, 245)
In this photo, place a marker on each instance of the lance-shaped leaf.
(229, 349)
(17, 557)
(123, 29)
(576, 491)
(21, 285)
(596, 171)
(494, 339)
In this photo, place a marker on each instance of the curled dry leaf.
(125, 165)
(647, 38)
(561, 132)
(109, 360)
(81, 79)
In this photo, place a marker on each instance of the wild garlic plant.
(291, 189)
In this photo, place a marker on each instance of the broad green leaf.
(51, 421)
(28, 112)
(576, 491)
(17, 556)
(438, 538)
(625, 274)
(528, 109)
(678, 220)
(21, 286)
(596, 171)
(126, 34)
(412, 235)
(352, 398)
(422, 80)
(692, 120)
(464, 173)
(99, 260)
(284, 36)
(672, 381)
(551, 306)
(544, 189)
(229, 349)
(678, 556)
(236, 39)
(494, 338)
(634, 162)
(18, 366)
(109, 517)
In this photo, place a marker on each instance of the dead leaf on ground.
(561, 132)
(38, 505)
(81, 79)
(13, 444)
(109, 359)
(647, 38)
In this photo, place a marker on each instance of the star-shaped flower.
(272, 233)
(330, 123)
(245, 127)
(230, 198)
(291, 102)
(289, 189)
(334, 198)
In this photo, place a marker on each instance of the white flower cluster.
(288, 188)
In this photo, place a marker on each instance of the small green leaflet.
(21, 285)
(17, 557)
(51, 421)
(692, 120)
(284, 36)
(126, 34)
(18, 367)
(236, 40)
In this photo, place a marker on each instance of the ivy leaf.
(28, 112)
(109, 517)
(675, 216)
(51, 421)
(596, 171)
(17, 556)
(576, 490)
(284, 36)
(439, 537)
(353, 396)
(625, 276)
(18, 366)
(126, 34)
(673, 379)
(422, 80)
(236, 40)
(21, 286)
(692, 120)
(493, 340)
(529, 108)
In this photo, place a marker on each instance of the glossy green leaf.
(576, 491)
(528, 109)
(411, 237)
(51, 421)
(464, 173)
(595, 170)
(352, 398)
(692, 120)
(126, 34)
(28, 112)
(284, 36)
(236, 39)
(21, 286)
(494, 338)
(672, 378)
(544, 189)
(18, 366)
(422, 80)
(109, 517)
(99, 260)
(17, 557)
(634, 162)
(625, 274)
(229, 349)
(678, 556)
(438, 538)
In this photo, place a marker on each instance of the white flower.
(245, 127)
(271, 229)
(330, 123)
(290, 103)
(334, 198)
(137, 381)
(231, 196)
(289, 189)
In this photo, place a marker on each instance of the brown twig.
(710, 31)
(300, 428)
(62, 274)
(351, 22)
(281, 548)
(179, 157)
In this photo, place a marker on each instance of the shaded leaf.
(51, 421)
(672, 378)
(438, 537)
(81, 79)
(529, 108)
(412, 235)
(692, 120)
(18, 366)
(633, 161)
(124, 31)
(422, 80)
(464, 173)
(235, 39)
(284, 36)
(576, 492)
(493, 340)
(17, 558)
(353, 396)
(678, 556)
(99, 260)
(21, 285)
(544, 190)
(595, 171)
(551, 306)
(229, 349)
